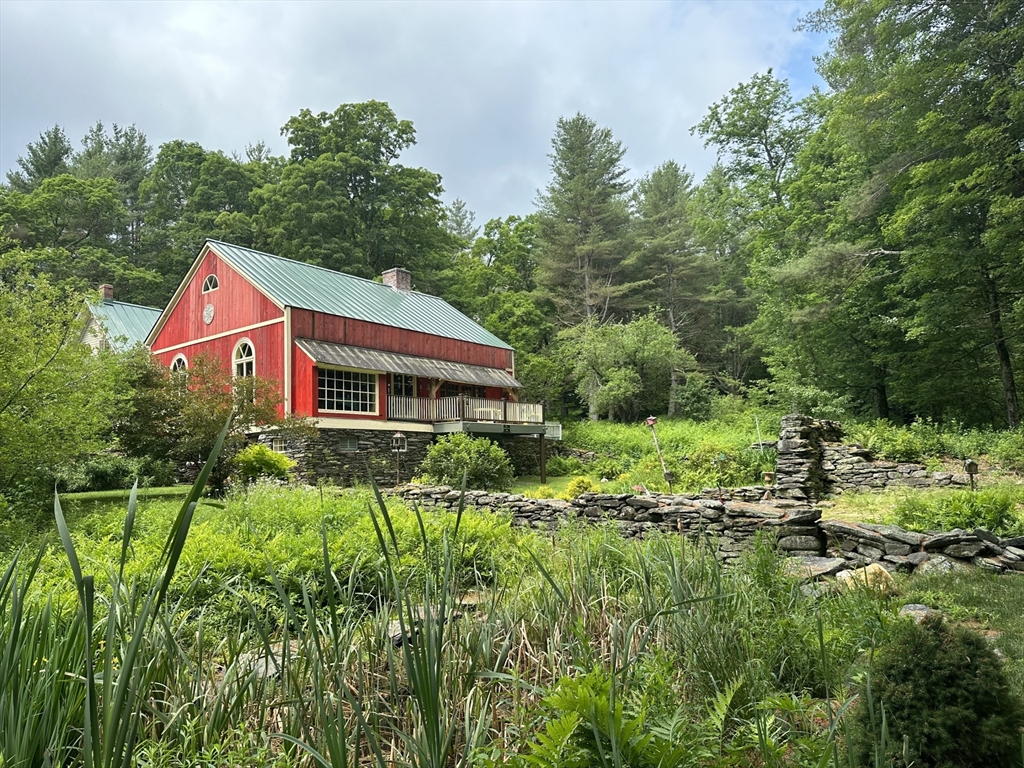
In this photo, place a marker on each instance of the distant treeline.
(858, 251)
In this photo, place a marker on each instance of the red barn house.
(379, 367)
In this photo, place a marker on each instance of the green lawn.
(163, 491)
(529, 484)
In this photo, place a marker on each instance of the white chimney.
(107, 292)
(398, 278)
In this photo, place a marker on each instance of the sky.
(483, 82)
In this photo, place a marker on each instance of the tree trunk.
(673, 389)
(995, 320)
(881, 394)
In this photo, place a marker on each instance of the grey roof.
(125, 325)
(391, 362)
(306, 286)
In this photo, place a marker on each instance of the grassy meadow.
(271, 640)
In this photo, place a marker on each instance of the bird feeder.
(971, 468)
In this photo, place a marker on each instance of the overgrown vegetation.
(356, 632)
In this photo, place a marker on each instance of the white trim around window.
(211, 283)
(243, 359)
(359, 390)
(179, 363)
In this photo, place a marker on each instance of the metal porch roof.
(392, 362)
(305, 286)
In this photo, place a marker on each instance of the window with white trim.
(210, 284)
(347, 443)
(347, 391)
(277, 444)
(180, 363)
(245, 360)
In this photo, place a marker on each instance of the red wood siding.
(359, 333)
(304, 392)
(236, 304)
(267, 343)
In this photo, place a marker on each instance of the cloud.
(483, 82)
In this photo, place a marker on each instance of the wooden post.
(543, 458)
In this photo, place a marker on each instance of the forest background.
(859, 252)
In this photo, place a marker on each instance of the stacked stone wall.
(824, 547)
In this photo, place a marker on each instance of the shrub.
(609, 467)
(542, 492)
(486, 466)
(560, 466)
(257, 460)
(579, 485)
(943, 690)
(993, 509)
(1009, 451)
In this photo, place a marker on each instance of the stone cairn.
(812, 462)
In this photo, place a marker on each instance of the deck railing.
(463, 408)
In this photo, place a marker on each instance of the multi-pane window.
(210, 284)
(245, 360)
(347, 443)
(346, 391)
(277, 444)
(179, 364)
(402, 385)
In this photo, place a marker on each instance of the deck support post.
(543, 458)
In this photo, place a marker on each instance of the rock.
(993, 564)
(943, 540)
(940, 564)
(918, 611)
(966, 550)
(640, 503)
(899, 562)
(916, 558)
(814, 567)
(873, 576)
(800, 542)
(872, 553)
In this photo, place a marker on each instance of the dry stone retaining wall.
(820, 547)
(813, 463)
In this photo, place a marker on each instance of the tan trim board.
(287, 360)
(201, 339)
(372, 424)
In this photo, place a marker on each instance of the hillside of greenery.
(856, 253)
(303, 628)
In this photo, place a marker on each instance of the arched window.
(245, 359)
(180, 363)
(210, 284)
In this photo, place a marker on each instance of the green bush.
(993, 509)
(256, 460)
(560, 466)
(944, 692)
(1009, 451)
(579, 485)
(486, 466)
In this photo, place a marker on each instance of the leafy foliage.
(994, 510)
(257, 460)
(484, 465)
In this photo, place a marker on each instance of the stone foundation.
(325, 457)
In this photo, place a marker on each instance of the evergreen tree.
(583, 222)
(43, 159)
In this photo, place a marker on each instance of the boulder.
(814, 567)
(873, 577)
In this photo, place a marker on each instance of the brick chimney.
(107, 292)
(398, 278)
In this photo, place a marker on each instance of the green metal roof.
(126, 325)
(306, 286)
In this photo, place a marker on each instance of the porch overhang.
(361, 358)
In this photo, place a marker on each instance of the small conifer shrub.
(939, 698)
